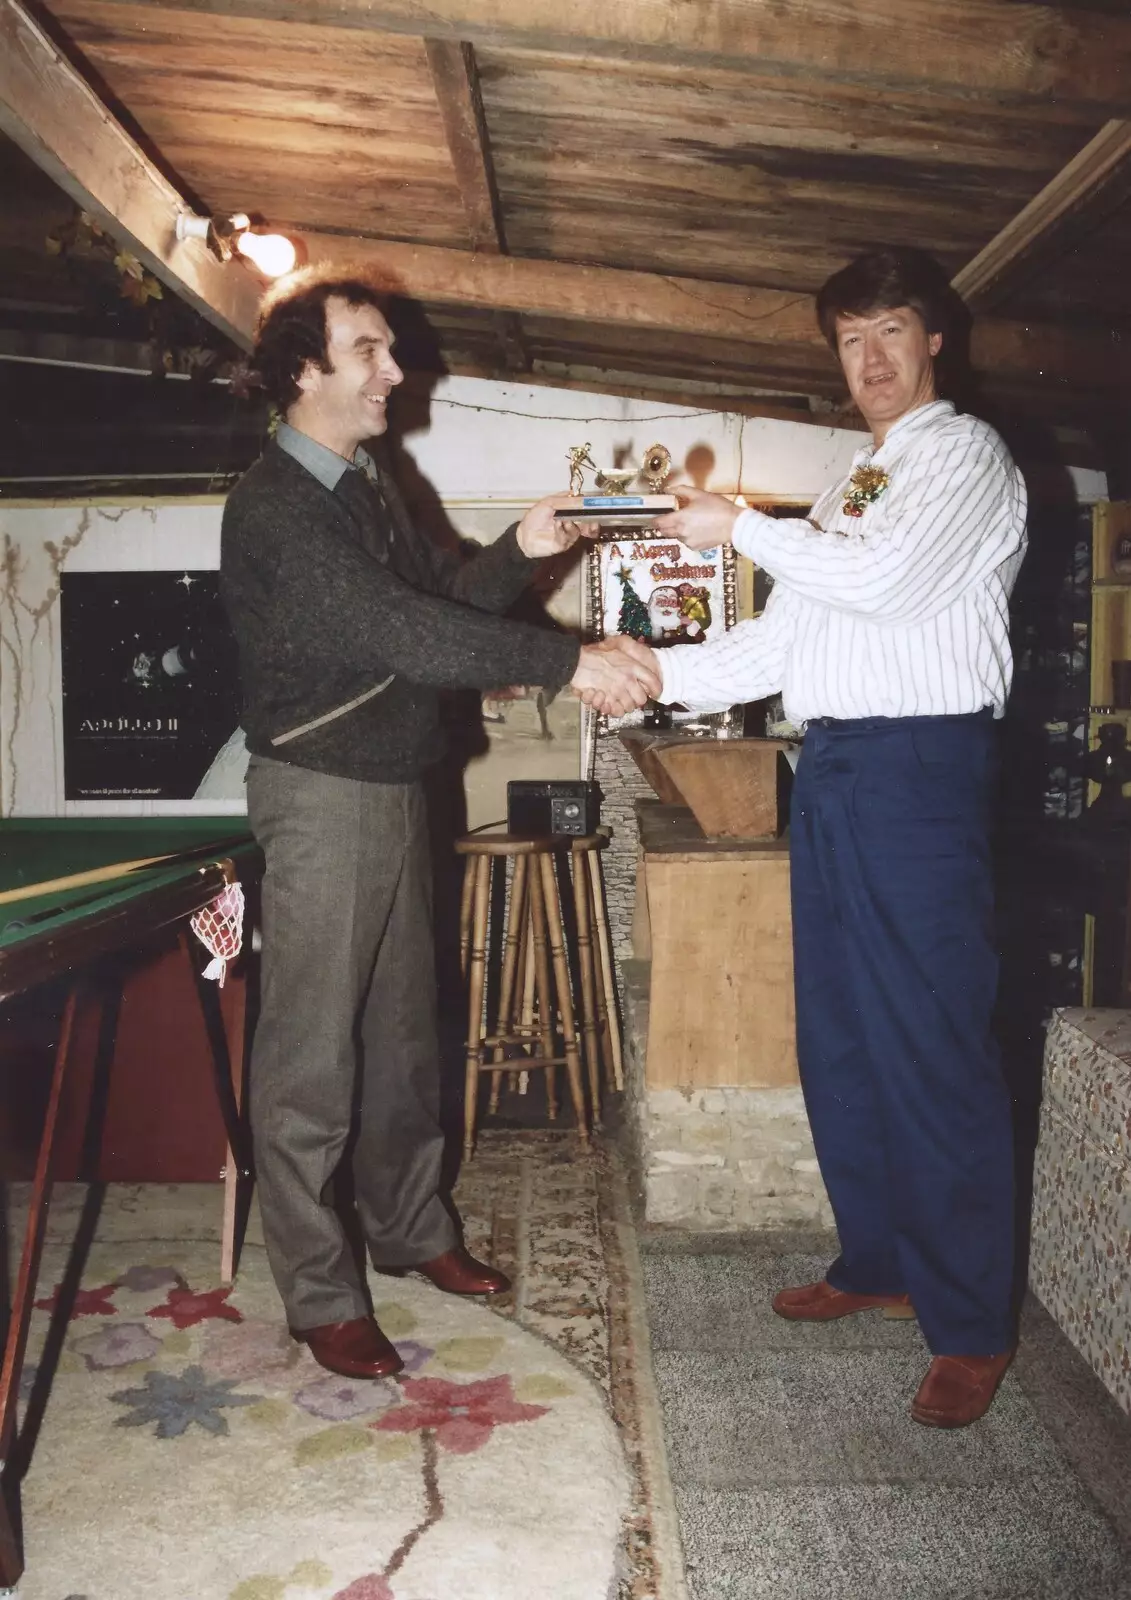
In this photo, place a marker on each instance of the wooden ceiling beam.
(1093, 184)
(456, 80)
(998, 50)
(774, 318)
(455, 77)
(56, 118)
(555, 288)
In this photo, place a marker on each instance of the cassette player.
(562, 805)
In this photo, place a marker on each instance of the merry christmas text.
(658, 554)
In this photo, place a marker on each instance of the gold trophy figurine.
(579, 457)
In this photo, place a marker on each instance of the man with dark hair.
(887, 632)
(347, 623)
(881, 280)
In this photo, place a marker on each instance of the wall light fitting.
(273, 254)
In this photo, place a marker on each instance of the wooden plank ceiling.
(706, 149)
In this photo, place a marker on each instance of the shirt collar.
(908, 426)
(319, 460)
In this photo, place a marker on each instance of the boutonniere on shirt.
(865, 487)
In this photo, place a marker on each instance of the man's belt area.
(332, 716)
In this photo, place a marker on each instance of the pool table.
(79, 898)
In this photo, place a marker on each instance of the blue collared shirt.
(319, 460)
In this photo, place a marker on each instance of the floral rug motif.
(186, 1449)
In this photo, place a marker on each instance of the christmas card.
(662, 592)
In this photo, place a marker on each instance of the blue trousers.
(896, 973)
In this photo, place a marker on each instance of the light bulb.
(272, 253)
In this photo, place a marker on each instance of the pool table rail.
(54, 942)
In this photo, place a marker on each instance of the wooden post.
(585, 961)
(565, 998)
(477, 976)
(608, 977)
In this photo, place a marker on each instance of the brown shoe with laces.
(958, 1389)
(820, 1302)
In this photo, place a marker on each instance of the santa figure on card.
(663, 614)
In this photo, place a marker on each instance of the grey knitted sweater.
(329, 598)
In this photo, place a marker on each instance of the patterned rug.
(182, 1445)
(559, 1221)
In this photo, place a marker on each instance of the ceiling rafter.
(456, 80)
(986, 49)
(57, 119)
(1093, 184)
(767, 318)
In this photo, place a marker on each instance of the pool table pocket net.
(219, 927)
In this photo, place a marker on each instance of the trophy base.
(619, 510)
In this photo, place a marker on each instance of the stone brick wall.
(622, 784)
(730, 1158)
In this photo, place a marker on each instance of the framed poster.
(150, 684)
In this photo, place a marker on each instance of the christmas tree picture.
(633, 620)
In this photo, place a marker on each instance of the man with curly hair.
(348, 622)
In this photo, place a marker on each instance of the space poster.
(150, 684)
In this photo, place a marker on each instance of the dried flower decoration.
(865, 487)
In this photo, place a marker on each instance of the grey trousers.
(346, 1033)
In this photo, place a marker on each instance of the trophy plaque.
(611, 505)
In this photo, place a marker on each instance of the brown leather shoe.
(820, 1302)
(456, 1272)
(958, 1389)
(354, 1349)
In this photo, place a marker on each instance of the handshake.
(616, 676)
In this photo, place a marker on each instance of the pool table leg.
(11, 1552)
(225, 1026)
(237, 1176)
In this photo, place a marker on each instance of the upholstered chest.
(1080, 1265)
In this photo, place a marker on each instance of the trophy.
(612, 505)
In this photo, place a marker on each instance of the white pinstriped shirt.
(901, 612)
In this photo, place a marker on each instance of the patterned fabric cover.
(1080, 1265)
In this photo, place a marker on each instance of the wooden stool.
(533, 941)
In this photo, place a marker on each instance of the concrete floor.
(798, 1473)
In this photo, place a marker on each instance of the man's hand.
(539, 534)
(617, 675)
(702, 521)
